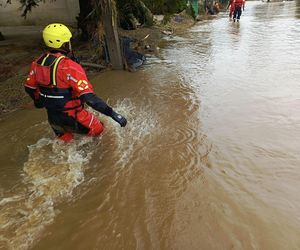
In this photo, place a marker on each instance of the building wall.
(64, 11)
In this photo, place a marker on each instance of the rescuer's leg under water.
(82, 122)
(237, 14)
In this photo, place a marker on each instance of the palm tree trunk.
(109, 14)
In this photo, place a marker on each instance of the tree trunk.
(111, 34)
(84, 21)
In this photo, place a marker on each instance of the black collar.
(54, 51)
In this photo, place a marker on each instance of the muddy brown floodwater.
(209, 159)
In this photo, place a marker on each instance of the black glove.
(38, 104)
(118, 118)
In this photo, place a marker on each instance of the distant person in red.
(60, 85)
(238, 5)
(230, 6)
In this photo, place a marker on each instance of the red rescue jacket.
(239, 3)
(58, 82)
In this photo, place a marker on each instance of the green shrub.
(130, 11)
(165, 6)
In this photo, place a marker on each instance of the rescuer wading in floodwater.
(60, 85)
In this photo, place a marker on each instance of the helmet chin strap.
(73, 57)
(70, 47)
(66, 48)
(72, 51)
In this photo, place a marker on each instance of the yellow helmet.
(56, 34)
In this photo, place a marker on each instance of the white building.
(64, 11)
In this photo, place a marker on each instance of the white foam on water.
(51, 173)
(54, 169)
(141, 125)
(7, 200)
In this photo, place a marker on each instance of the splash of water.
(54, 169)
(142, 123)
(51, 173)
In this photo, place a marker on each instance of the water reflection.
(247, 94)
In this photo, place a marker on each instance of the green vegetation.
(165, 6)
(27, 5)
(132, 13)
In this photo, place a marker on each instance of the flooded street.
(209, 158)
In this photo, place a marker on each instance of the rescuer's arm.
(98, 104)
(33, 93)
(228, 5)
(77, 79)
(31, 88)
